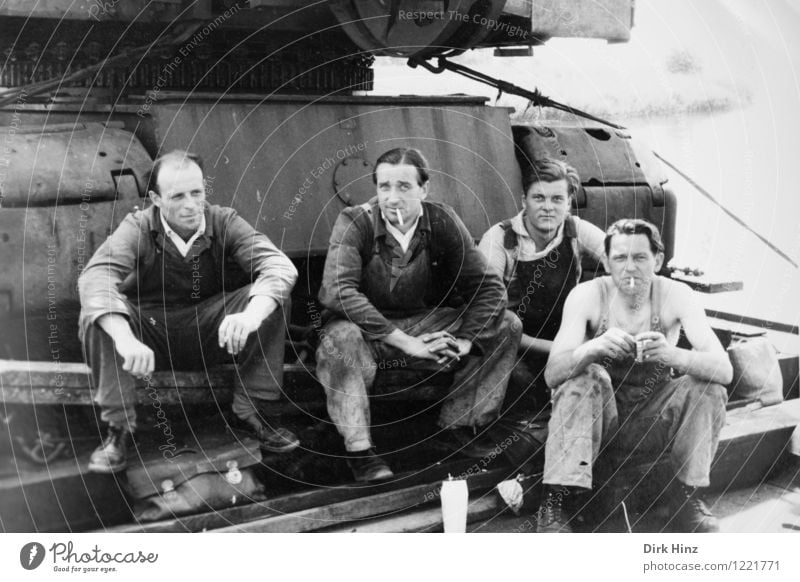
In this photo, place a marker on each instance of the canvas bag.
(196, 480)
(756, 371)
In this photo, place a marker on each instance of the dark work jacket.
(129, 265)
(369, 280)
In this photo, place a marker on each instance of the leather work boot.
(111, 455)
(553, 516)
(271, 436)
(367, 466)
(468, 441)
(689, 512)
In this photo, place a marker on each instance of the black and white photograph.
(400, 267)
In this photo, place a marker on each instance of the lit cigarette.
(399, 216)
(631, 282)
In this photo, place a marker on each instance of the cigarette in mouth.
(399, 216)
(631, 282)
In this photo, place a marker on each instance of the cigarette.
(399, 216)
(631, 282)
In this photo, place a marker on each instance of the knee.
(593, 382)
(339, 338)
(705, 394)
(511, 326)
(598, 376)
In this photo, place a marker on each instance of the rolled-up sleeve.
(341, 280)
(115, 260)
(255, 253)
(491, 246)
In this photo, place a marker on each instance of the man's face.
(546, 206)
(399, 190)
(631, 259)
(183, 196)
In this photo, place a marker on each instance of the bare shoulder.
(679, 302)
(586, 300)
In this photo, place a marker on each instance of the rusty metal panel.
(280, 163)
(65, 189)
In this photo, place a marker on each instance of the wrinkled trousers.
(347, 364)
(186, 338)
(683, 415)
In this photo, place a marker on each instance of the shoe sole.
(288, 448)
(105, 469)
(378, 478)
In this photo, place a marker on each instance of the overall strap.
(604, 305)
(655, 304)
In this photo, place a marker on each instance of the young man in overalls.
(538, 253)
(620, 380)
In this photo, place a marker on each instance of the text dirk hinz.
(671, 549)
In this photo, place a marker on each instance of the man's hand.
(235, 329)
(138, 359)
(614, 343)
(449, 348)
(656, 348)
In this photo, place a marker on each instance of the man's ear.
(659, 262)
(425, 190)
(155, 198)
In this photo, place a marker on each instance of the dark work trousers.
(347, 363)
(186, 338)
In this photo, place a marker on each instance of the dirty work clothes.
(186, 339)
(347, 360)
(638, 406)
(138, 263)
(369, 280)
(502, 256)
(683, 415)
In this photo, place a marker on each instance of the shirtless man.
(610, 369)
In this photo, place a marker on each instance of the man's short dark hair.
(410, 156)
(179, 156)
(548, 170)
(635, 226)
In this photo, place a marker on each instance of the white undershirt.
(403, 239)
(183, 246)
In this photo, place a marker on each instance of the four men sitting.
(186, 285)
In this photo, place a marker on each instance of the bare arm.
(528, 343)
(707, 360)
(138, 359)
(571, 353)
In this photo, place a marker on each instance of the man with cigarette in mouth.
(620, 381)
(185, 285)
(391, 269)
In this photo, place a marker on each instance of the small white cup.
(455, 498)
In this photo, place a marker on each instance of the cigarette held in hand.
(399, 216)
